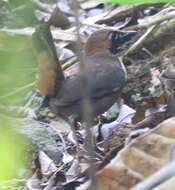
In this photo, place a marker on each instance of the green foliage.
(17, 72)
(17, 67)
(17, 13)
(139, 1)
(13, 151)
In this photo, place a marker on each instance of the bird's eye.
(110, 36)
(113, 36)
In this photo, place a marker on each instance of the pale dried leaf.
(33, 183)
(125, 116)
(90, 4)
(47, 165)
(140, 159)
(67, 157)
(73, 170)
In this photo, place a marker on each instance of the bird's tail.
(49, 72)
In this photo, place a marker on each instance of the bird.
(105, 76)
(104, 72)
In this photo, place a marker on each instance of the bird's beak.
(128, 35)
(118, 38)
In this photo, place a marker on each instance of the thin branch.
(140, 41)
(87, 108)
(16, 91)
(164, 15)
(162, 175)
(41, 6)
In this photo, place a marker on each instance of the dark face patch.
(117, 39)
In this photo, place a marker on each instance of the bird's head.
(105, 42)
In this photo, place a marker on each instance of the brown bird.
(105, 73)
(105, 76)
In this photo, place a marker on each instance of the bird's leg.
(45, 102)
(73, 124)
(72, 121)
(88, 144)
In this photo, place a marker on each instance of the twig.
(122, 11)
(16, 91)
(58, 34)
(41, 6)
(165, 14)
(157, 40)
(29, 102)
(87, 109)
(140, 41)
(101, 26)
(162, 175)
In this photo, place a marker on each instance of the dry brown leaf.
(139, 159)
(153, 102)
(59, 19)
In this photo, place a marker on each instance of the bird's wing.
(102, 80)
(107, 78)
(70, 91)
